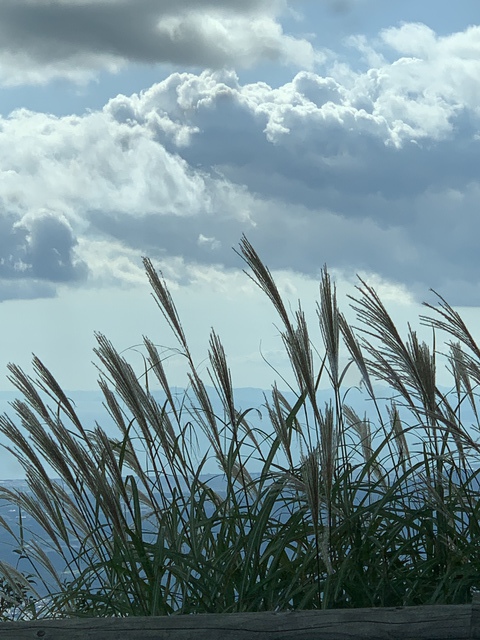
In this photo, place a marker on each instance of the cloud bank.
(372, 168)
(73, 39)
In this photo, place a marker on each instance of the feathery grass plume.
(362, 427)
(410, 368)
(464, 366)
(355, 350)
(329, 321)
(156, 365)
(222, 378)
(278, 412)
(155, 430)
(390, 361)
(329, 452)
(332, 326)
(263, 279)
(399, 435)
(298, 347)
(450, 321)
(165, 303)
(461, 365)
(48, 384)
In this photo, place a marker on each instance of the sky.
(337, 132)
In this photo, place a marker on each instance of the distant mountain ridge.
(88, 405)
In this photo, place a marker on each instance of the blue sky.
(339, 132)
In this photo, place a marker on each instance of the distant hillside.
(90, 411)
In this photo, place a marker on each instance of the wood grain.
(452, 622)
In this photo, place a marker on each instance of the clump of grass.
(322, 508)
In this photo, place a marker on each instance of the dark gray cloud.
(341, 6)
(49, 251)
(53, 37)
(200, 238)
(35, 255)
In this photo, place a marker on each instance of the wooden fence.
(433, 622)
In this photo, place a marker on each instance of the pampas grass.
(321, 508)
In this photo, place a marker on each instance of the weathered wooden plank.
(402, 624)
(452, 622)
(475, 617)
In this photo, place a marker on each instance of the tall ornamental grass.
(321, 507)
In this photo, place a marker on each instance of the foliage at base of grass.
(342, 510)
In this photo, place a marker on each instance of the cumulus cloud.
(42, 40)
(371, 170)
(35, 253)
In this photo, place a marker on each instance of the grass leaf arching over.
(321, 508)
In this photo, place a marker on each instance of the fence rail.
(432, 622)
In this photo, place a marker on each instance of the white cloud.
(411, 39)
(211, 243)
